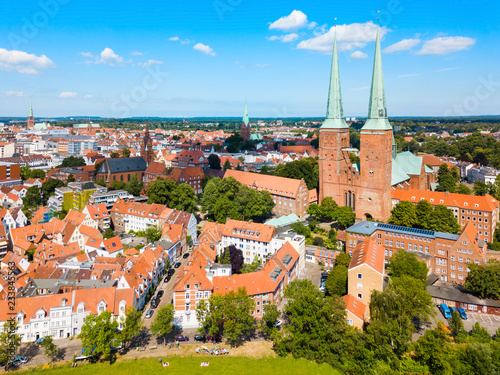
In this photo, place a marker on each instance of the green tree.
(478, 359)
(25, 173)
(405, 263)
(153, 233)
(447, 183)
(117, 185)
(183, 198)
(162, 325)
(134, 186)
(301, 229)
(32, 197)
(480, 188)
(160, 191)
(131, 326)
(125, 153)
(464, 189)
(443, 220)
(70, 178)
(269, 319)
(404, 213)
(38, 173)
(114, 155)
(49, 348)
(307, 169)
(345, 217)
(316, 325)
(109, 233)
(434, 350)
(480, 334)
(99, 332)
(227, 165)
(457, 328)
(424, 213)
(10, 340)
(336, 282)
(72, 161)
(484, 279)
(214, 162)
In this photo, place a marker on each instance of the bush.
(318, 241)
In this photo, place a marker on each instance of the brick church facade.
(365, 186)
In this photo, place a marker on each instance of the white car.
(149, 314)
(278, 323)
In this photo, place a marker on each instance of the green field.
(191, 366)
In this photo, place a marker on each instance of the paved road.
(490, 322)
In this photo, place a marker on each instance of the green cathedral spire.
(377, 112)
(31, 110)
(245, 116)
(334, 111)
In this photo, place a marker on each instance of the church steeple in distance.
(377, 110)
(245, 127)
(334, 110)
(31, 120)
(245, 116)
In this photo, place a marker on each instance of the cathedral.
(245, 127)
(365, 186)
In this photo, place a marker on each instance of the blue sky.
(205, 58)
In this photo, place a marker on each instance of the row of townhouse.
(128, 215)
(482, 211)
(202, 278)
(446, 255)
(62, 315)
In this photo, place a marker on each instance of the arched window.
(353, 202)
(128, 177)
(121, 178)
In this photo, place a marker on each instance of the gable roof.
(123, 165)
(370, 253)
(355, 306)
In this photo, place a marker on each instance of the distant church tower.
(245, 127)
(147, 147)
(364, 186)
(31, 119)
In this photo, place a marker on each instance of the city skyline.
(206, 59)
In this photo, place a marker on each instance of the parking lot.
(487, 321)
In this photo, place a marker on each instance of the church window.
(371, 173)
(121, 177)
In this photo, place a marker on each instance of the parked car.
(200, 338)
(278, 323)
(216, 338)
(445, 310)
(20, 360)
(39, 341)
(160, 294)
(186, 255)
(181, 338)
(154, 303)
(171, 271)
(452, 308)
(177, 265)
(462, 313)
(149, 314)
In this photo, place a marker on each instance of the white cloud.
(15, 93)
(187, 41)
(136, 53)
(174, 38)
(354, 35)
(262, 65)
(150, 62)
(68, 94)
(404, 45)
(358, 55)
(446, 45)
(23, 62)
(409, 75)
(86, 54)
(88, 96)
(446, 69)
(285, 38)
(110, 58)
(294, 21)
(204, 48)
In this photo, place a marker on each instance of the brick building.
(153, 171)
(190, 175)
(365, 186)
(482, 211)
(121, 169)
(245, 127)
(445, 254)
(189, 158)
(291, 196)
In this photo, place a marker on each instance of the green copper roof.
(398, 175)
(377, 112)
(334, 111)
(31, 110)
(410, 163)
(245, 116)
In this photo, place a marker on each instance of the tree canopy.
(214, 162)
(169, 193)
(307, 168)
(72, 161)
(484, 279)
(99, 332)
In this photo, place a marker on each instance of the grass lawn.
(191, 366)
